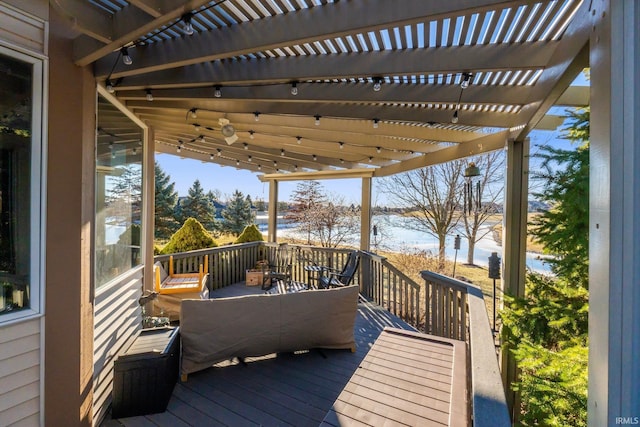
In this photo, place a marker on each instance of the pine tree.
(165, 202)
(547, 329)
(196, 205)
(237, 215)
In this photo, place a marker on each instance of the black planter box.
(144, 376)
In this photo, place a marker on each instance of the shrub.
(189, 237)
(250, 234)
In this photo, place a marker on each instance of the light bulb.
(377, 84)
(237, 162)
(219, 152)
(370, 159)
(466, 78)
(179, 149)
(126, 59)
(375, 123)
(282, 152)
(246, 146)
(217, 92)
(454, 119)
(294, 88)
(211, 156)
(187, 27)
(341, 145)
(149, 95)
(256, 116)
(251, 134)
(315, 157)
(249, 159)
(317, 117)
(259, 167)
(378, 150)
(194, 113)
(299, 139)
(109, 85)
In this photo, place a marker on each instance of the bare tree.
(334, 223)
(430, 197)
(306, 197)
(491, 189)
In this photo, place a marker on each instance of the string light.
(256, 116)
(295, 168)
(219, 152)
(317, 117)
(237, 162)
(314, 157)
(377, 84)
(126, 59)
(109, 85)
(193, 113)
(341, 145)
(378, 150)
(375, 123)
(246, 146)
(454, 119)
(249, 159)
(294, 88)
(370, 159)
(299, 139)
(259, 167)
(149, 95)
(211, 156)
(187, 27)
(466, 79)
(201, 138)
(217, 92)
(282, 152)
(251, 134)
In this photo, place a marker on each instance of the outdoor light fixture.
(109, 86)
(149, 95)
(294, 88)
(317, 117)
(282, 152)
(201, 138)
(314, 157)
(217, 92)
(126, 59)
(299, 139)
(370, 159)
(454, 119)
(256, 116)
(259, 167)
(375, 123)
(219, 152)
(211, 156)
(378, 150)
(237, 162)
(466, 79)
(249, 159)
(246, 146)
(377, 84)
(275, 164)
(193, 113)
(251, 134)
(341, 145)
(187, 27)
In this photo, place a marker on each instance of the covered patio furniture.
(333, 278)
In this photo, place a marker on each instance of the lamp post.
(494, 273)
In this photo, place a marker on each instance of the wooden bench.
(173, 288)
(406, 378)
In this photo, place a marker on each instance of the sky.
(226, 179)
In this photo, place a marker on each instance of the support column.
(272, 234)
(365, 215)
(514, 245)
(149, 208)
(614, 219)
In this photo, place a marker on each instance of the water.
(392, 236)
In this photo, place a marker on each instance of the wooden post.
(272, 235)
(514, 244)
(365, 215)
(614, 222)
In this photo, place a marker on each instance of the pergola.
(316, 89)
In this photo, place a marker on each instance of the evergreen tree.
(165, 202)
(547, 329)
(237, 215)
(197, 205)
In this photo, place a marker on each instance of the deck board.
(284, 389)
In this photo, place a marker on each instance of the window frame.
(37, 184)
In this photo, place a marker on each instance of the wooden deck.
(285, 389)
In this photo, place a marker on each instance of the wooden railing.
(227, 264)
(390, 288)
(457, 310)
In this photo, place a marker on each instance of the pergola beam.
(437, 60)
(305, 26)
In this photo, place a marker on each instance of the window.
(118, 193)
(20, 184)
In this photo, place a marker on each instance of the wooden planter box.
(254, 277)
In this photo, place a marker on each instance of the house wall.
(21, 341)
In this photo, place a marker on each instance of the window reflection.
(16, 107)
(118, 193)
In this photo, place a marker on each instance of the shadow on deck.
(278, 389)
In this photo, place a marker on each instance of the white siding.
(20, 373)
(117, 318)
